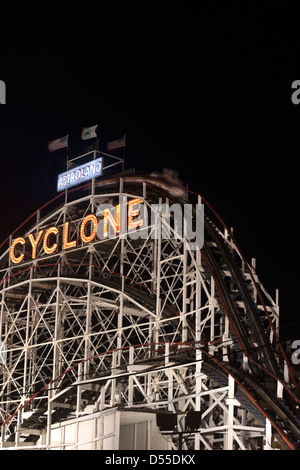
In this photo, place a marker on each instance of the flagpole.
(66, 190)
(96, 148)
(67, 151)
(123, 164)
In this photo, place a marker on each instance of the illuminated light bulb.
(109, 218)
(89, 218)
(49, 250)
(15, 259)
(66, 244)
(134, 213)
(34, 242)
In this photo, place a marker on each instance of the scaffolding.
(100, 334)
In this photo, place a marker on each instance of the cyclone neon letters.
(54, 239)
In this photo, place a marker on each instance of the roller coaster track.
(250, 336)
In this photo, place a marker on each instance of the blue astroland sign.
(80, 174)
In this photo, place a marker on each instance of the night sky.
(205, 90)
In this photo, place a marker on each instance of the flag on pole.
(115, 144)
(89, 132)
(58, 144)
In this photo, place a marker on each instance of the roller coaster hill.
(101, 337)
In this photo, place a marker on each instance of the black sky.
(204, 88)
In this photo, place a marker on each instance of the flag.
(89, 132)
(58, 144)
(115, 144)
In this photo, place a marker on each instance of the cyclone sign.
(54, 239)
(130, 218)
